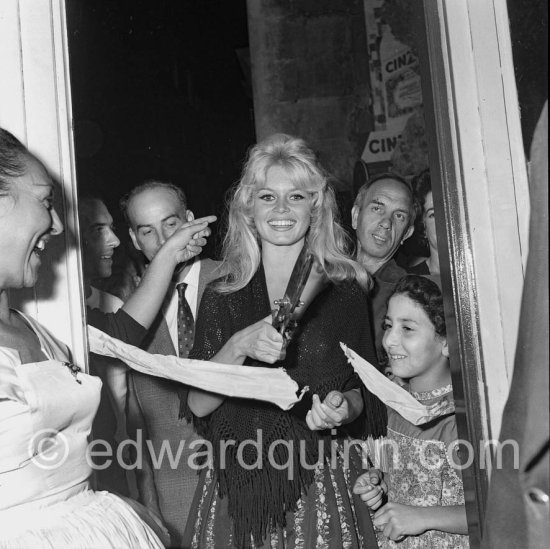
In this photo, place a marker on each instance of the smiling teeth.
(397, 357)
(285, 223)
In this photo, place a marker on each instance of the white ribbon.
(268, 384)
(393, 395)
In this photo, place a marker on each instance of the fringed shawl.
(259, 497)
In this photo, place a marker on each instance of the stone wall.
(310, 77)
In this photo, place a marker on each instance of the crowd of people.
(275, 478)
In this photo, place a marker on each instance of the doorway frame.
(476, 159)
(479, 181)
(35, 105)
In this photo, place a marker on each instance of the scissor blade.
(298, 278)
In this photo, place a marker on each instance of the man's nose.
(386, 222)
(114, 241)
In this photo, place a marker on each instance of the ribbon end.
(304, 390)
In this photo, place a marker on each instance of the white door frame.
(480, 182)
(35, 105)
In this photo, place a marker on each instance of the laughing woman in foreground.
(271, 494)
(47, 404)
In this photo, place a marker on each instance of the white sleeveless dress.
(46, 414)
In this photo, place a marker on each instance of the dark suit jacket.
(517, 514)
(385, 280)
(153, 407)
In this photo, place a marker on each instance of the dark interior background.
(160, 89)
(529, 33)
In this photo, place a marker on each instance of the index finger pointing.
(201, 220)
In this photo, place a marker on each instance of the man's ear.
(354, 216)
(189, 215)
(408, 234)
(134, 239)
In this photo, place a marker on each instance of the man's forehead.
(148, 208)
(156, 196)
(389, 190)
(96, 212)
(102, 217)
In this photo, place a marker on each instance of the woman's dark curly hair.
(12, 158)
(426, 293)
(421, 185)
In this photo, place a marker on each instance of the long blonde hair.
(326, 238)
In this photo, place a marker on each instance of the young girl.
(425, 498)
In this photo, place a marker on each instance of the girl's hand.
(371, 488)
(332, 412)
(397, 520)
(260, 341)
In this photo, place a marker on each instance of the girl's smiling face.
(415, 351)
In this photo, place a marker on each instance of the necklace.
(74, 370)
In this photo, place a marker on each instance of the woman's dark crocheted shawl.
(260, 497)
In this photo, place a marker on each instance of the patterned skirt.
(328, 516)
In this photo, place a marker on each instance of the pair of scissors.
(283, 320)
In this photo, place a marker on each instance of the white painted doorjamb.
(492, 172)
(35, 105)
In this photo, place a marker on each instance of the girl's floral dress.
(425, 469)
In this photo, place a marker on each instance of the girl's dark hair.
(426, 293)
(13, 156)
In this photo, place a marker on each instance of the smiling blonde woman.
(283, 493)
